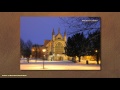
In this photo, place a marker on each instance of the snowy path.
(57, 65)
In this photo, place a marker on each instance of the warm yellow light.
(44, 50)
(33, 50)
(96, 50)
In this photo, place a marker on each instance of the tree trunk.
(97, 59)
(28, 59)
(79, 58)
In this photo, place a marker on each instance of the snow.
(57, 65)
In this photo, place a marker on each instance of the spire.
(65, 33)
(65, 36)
(53, 33)
(58, 30)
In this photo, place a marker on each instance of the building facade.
(54, 48)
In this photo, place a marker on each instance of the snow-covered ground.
(57, 65)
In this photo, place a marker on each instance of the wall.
(10, 53)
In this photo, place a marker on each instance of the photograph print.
(60, 43)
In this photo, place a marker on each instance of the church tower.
(53, 35)
(57, 45)
(65, 36)
(53, 42)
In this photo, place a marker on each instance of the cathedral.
(54, 48)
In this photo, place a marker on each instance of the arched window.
(59, 48)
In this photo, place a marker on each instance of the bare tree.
(22, 47)
(25, 48)
(28, 49)
(75, 25)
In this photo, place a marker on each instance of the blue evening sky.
(38, 29)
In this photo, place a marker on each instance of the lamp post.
(97, 56)
(44, 50)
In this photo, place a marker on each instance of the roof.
(46, 42)
(58, 34)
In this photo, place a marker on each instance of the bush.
(73, 60)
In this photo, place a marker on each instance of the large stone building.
(54, 47)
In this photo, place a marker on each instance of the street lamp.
(96, 51)
(97, 56)
(44, 50)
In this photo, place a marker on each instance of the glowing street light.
(97, 56)
(33, 50)
(96, 51)
(44, 50)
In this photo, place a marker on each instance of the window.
(59, 48)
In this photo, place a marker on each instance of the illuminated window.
(59, 48)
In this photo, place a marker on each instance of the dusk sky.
(38, 29)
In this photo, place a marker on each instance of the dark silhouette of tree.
(90, 27)
(94, 44)
(28, 49)
(25, 48)
(76, 45)
(22, 47)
